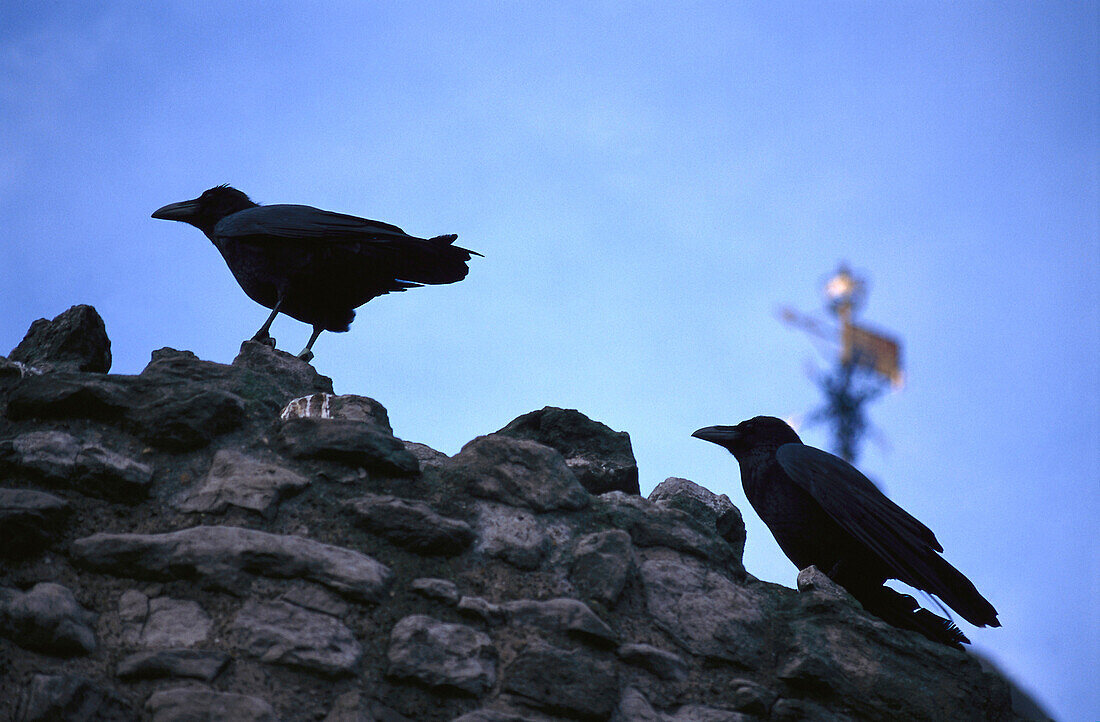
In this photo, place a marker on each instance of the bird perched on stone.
(313, 265)
(823, 511)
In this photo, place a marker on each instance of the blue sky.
(648, 182)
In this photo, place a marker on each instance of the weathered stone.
(516, 472)
(442, 590)
(442, 655)
(310, 596)
(702, 713)
(346, 406)
(84, 465)
(703, 610)
(480, 607)
(565, 615)
(660, 662)
(601, 459)
(751, 698)
(354, 707)
(235, 479)
(75, 340)
(511, 534)
(51, 697)
(16, 370)
(72, 395)
(653, 525)
(162, 622)
(187, 704)
(218, 556)
(175, 414)
(359, 443)
(286, 376)
(281, 633)
(498, 715)
(47, 619)
(602, 561)
(812, 580)
(634, 707)
(705, 507)
(843, 654)
(411, 524)
(204, 664)
(30, 521)
(561, 681)
(428, 457)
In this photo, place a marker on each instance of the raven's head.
(759, 431)
(205, 211)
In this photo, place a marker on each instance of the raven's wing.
(304, 223)
(352, 247)
(902, 542)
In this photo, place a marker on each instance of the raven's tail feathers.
(959, 593)
(430, 261)
(901, 610)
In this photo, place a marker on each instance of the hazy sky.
(648, 182)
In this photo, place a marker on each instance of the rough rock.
(47, 619)
(236, 479)
(277, 376)
(602, 561)
(440, 654)
(511, 534)
(562, 681)
(660, 662)
(565, 615)
(50, 697)
(348, 407)
(204, 664)
(635, 594)
(503, 715)
(30, 521)
(173, 413)
(178, 402)
(601, 459)
(704, 506)
(443, 590)
(428, 457)
(480, 607)
(357, 443)
(16, 370)
(81, 464)
(814, 581)
(219, 555)
(311, 596)
(516, 472)
(704, 610)
(75, 340)
(281, 633)
(161, 622)
(187, 704)
(654, 525)
(355, 707)
(411, 524)
(634, 707)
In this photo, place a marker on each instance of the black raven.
(823, 511)
(313, 265)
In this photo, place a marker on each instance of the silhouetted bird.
(824, 512)
(313, 265)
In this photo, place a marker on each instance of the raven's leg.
(307, 353)
(262, 335)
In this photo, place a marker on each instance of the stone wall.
(233, 542)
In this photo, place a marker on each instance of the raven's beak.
(721, 435)
(182, 211)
